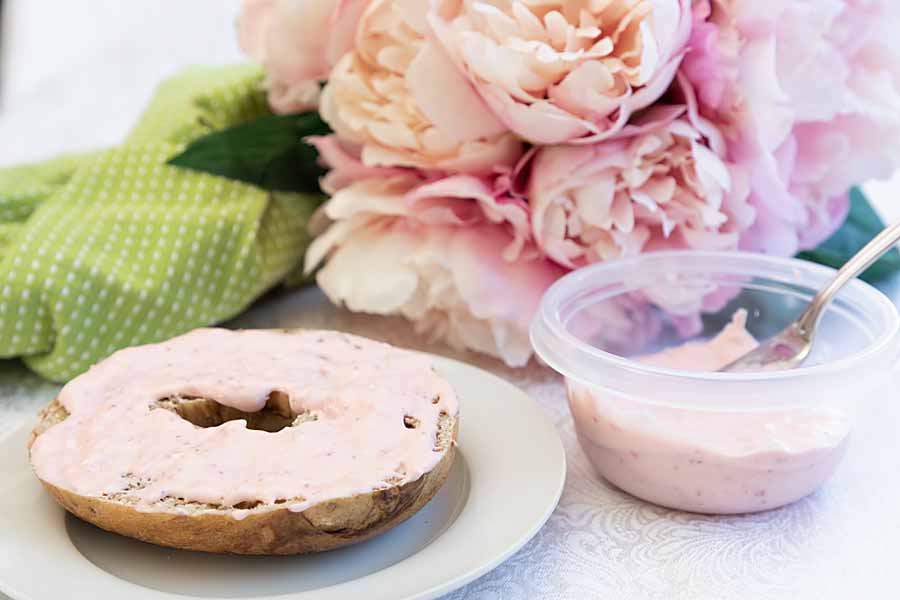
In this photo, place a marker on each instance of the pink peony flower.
(438, 213)
(443, 254)
(663, 187)
(563, 70)
(807, 94)
(297, 42)
(404, 104)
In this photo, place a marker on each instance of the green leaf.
(861, 226)
(268, 152)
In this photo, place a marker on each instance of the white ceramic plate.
(505, 482)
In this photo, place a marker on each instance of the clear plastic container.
(705, 441)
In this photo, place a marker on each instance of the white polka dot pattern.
(117, 248)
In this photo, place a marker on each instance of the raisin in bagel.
(249, 442)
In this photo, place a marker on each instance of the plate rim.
(473, 450)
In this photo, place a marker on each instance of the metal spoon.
(789, 348)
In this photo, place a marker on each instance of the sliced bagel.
(119, 494)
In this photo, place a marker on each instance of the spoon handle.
(860, 261)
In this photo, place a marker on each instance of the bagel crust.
(261, 528)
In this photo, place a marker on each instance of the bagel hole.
(205, 412)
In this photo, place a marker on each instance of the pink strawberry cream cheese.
(708, 461)
(367, 413)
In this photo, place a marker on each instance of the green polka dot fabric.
(22, 189)
(200, 100)
(116, 248)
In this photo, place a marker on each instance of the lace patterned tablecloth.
(842, 542)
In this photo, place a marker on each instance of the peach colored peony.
(807, 93)
(442, 254)
(661, 188)
(297, 42)
(400, 99)
(563, 70)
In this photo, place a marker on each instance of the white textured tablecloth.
(75, 76)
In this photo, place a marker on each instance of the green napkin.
(116, 248)
(23, 188)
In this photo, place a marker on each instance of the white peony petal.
(595, 200)
(368, 272)
(711, 171)
(447, 99)
(414, 14)
(371, 196)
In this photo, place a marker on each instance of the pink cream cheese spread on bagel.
(338, 415)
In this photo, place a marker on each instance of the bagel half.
(253, 527)
(268, 529)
